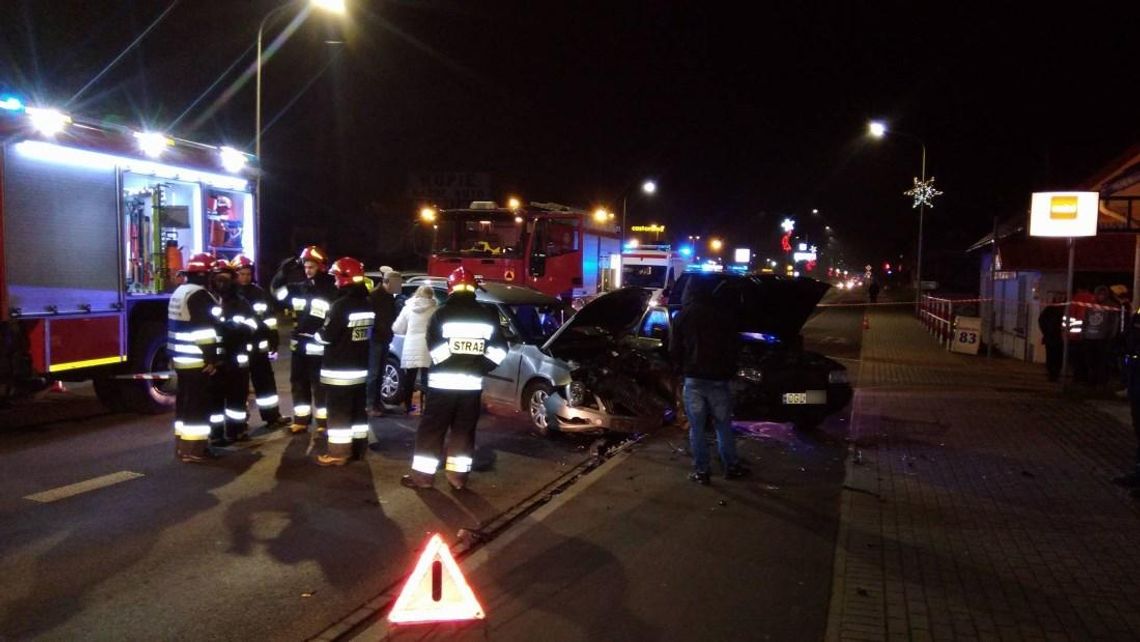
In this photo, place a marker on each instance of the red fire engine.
(95, 222)
(563, 251)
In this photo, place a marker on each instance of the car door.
(501, 384)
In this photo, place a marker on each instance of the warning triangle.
(436, 591)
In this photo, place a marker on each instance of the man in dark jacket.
(465, 342)
(310, 299)
(1051, 335)
(193, 346)
(704, 344)
(265, 342)
(344, 367)
(384, 305)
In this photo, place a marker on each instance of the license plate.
(466, 346)
(805, 398)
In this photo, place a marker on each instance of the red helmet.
(347, 271)
(241, 262)
(199, 264)
(221, 265)
(460, 279)
(315, 254)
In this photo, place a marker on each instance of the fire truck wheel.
(108, 392)
(534, 404)
(148, 354)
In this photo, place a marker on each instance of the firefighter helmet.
(199, 264)
(347, 271)
(314, 254)
(222, 265)
(241, 262)
(460, 279)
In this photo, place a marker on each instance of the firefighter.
(193, 344)
(265, 343)
(236, 324)
(346, 336)
(309, 299)
(465, 342)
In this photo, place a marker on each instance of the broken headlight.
(575, 393)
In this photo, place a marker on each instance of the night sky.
(743, 112)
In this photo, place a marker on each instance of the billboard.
(1065, 214)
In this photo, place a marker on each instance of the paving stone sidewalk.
(977, 503)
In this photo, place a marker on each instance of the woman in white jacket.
(412, 324)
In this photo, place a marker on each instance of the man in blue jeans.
(704, 345)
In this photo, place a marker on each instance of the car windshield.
(536, 323)
(478, 234)
(643, 276)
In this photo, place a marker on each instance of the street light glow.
(427, 214)
(601, 215)
(513, 203)
(877, 128)
(649, 187)
(332, 6)
(716, 244)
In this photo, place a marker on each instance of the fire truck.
(96, 220)
(560, 250)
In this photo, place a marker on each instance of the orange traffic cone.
(57, 386)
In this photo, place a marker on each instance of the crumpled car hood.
(610, 315)
(764, 303)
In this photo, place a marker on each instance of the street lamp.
(716, 245)
(878, 129)
(332, 6)
(649, 187)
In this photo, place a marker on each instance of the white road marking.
(78, 488)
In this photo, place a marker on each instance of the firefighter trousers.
(348, 421)
(192, 410)
(308, 391)
(230, 393)
(264, 386)
(451, 416)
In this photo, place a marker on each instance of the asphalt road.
(265, 545)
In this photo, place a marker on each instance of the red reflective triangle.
(435, 593)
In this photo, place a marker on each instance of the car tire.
(534, 404)
(148, 354)
(392, 383)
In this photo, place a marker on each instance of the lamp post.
(332, 6)
(878, 129)
(648, 187)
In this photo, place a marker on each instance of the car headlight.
(751, 374)
(575, 393)
(837, 376)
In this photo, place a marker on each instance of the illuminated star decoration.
(922, 192)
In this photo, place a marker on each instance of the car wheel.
(392, 383)
(148, 354)
(534, 403)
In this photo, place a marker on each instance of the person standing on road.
(1132, 379)
(414, 359)
(265, 343)
(873, 291)
(344, 369)
(193, 346)
(236, 325)
(384, 306)
(1099, 328)
(1049, 321)
(310, 299)
(704, 344)
(465, 342)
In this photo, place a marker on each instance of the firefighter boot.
(359, 447)
(457, 481)
(338, 455)
(417, 480)
(192, 451)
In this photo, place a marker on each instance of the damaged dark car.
(621, 378)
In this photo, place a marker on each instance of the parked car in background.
(622, 379)
(526, 376)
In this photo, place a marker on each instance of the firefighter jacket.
(465, 342)
(237, 323)
(192, 335)
(265, 339)
(345, 337)
(310, 300)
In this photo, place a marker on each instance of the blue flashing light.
(761, 337)
(11, 103)
(686, 250)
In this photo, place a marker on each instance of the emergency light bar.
(52, 153)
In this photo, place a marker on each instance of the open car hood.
(764, 303)
(610, 315)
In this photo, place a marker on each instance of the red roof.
(1101, 253)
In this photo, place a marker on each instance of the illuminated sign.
(1064, 214)
(656, 229)
(742, 255)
